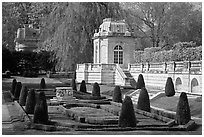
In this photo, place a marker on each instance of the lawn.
(170, 103)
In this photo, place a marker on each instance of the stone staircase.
(132, 81)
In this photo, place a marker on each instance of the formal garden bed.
(91, 112)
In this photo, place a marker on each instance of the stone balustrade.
(192, 67)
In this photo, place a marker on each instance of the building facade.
(27, 38)
(113, 43)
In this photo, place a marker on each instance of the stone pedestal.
(64, 93)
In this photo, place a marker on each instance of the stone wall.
(187, 76)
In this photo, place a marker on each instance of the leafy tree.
(69, 28)
(8, 60)
(166, 23)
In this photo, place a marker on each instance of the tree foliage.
(69, 29)
(165, 23)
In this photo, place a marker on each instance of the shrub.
(83, 86)
(30, 102)
(183, 114)
(41, 110)
(14, 82)
(133, 83)
(143, 102)
(42, 84)
(169, 87)
(8, 74)
(17, 90)
(25, 73)
(138, 56)
(73, 84)
(127, 115)
(117, 97)
(96, 90)
(140, 82)
(180, 51)
(23, 96)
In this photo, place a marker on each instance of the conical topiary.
(83, 86)
(73, 84)
(143, 102)
(23, 96)
(14, 82)
(41, 110)
(96, 90)
(30, 102)
(140, 82)
(17, 90)
(127, 115)
(183, 114)
(169, 87)
(117, 97)
(42, 84)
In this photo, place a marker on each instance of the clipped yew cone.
(140, 82)
(183, 114)
(17, 90)
(83, 86)
(143, 102)
(73, 84)
(117, 96)
(23, 96)
(14, 82)
(127, 115)
(169, 87)
(96, 90)
(41, 110)
(30, 102)
(42, 84)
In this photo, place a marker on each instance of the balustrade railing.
(193, 67)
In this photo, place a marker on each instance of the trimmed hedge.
(83, 86)
(143, 102)
(117, 96)
(181, 51)
(169, 87)
(73, 84)
(183, 114)
(14, 82)
(30, 102)
(23, 96)
(42, 84)
(41, 110)
(96, 90)
(127, 115)
(17, 90)
(140, 82)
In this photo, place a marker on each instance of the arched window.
(118, 55)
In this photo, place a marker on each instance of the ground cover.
(170, 103)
